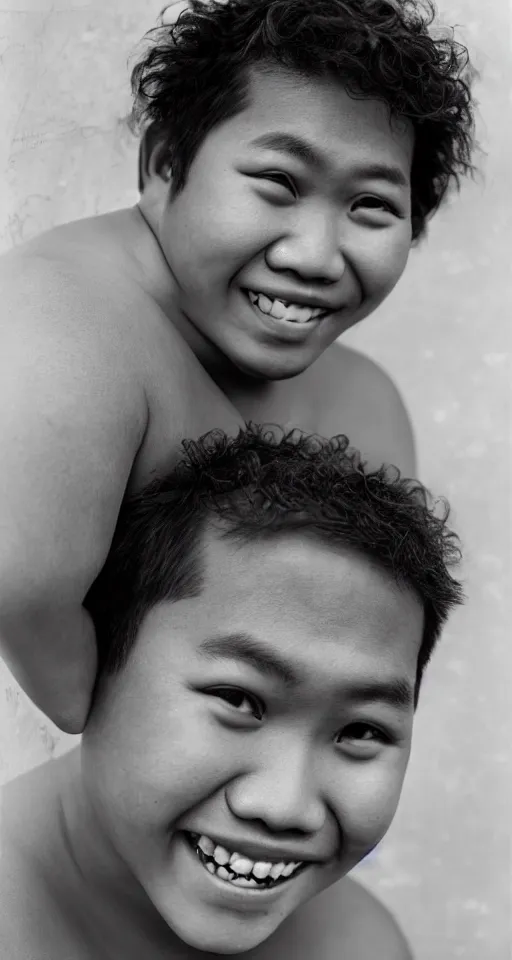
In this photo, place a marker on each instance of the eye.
(361, 732)
(378, 205)
(243, 702)
(281, 179)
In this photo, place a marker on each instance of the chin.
(271, 368)
(216, 939)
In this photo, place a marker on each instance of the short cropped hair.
(256, 485)
(194, 76)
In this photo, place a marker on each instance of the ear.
(153, 165)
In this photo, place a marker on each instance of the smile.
(284, 310)
(240, 871)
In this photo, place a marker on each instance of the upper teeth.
(285, 311)
(244, 866)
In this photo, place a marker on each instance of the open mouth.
(238, 870)
(282, 310)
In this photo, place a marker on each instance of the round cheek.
(212, 232)
(152, 763)
(382, 263)
(367, 808)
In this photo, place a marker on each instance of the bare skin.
(103, 373)
(95, 862)
(30, 914)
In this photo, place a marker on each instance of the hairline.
(211, 526)
(269, 66)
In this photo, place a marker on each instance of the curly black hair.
(194, 76)
(257, 484)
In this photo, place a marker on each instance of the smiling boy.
(297, 151)
(264, 619)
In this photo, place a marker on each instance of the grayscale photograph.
(255, 480)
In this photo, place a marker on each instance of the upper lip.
(257, 851)
(299, 299)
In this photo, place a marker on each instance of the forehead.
(331, 610)
(321, 111)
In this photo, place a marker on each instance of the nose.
(280, 792)
(311, 249)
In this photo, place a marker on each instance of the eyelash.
(378, 734)
(225, 692)
(390, 207)
(283, 179)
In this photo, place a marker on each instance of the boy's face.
(271, 715)
(326, 226)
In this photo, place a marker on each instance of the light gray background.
(65, 152)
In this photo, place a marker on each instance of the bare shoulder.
(73, 289)
(372, 930)
(21, 899)
(66, 356)
(72, 309)
(345, 922)
(91, 336)
(358, 397)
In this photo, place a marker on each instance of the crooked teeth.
(241, 865)
(244, 882)
(207, 845)
(221, 856)
(262, 868)
(248, 871)
(284, 311)
(264, 303)
(278, 310)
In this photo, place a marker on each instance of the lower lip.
(260, 894)
(284, 329)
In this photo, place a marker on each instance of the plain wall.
(66, 152)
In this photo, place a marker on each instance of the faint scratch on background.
(30, 727)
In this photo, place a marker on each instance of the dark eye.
(282, 179)
(240, 700)
(377, 204)
(360, 732)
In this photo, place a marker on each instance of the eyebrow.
(301, 149)
(397, 692)
(241, 646)
(289, 143)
